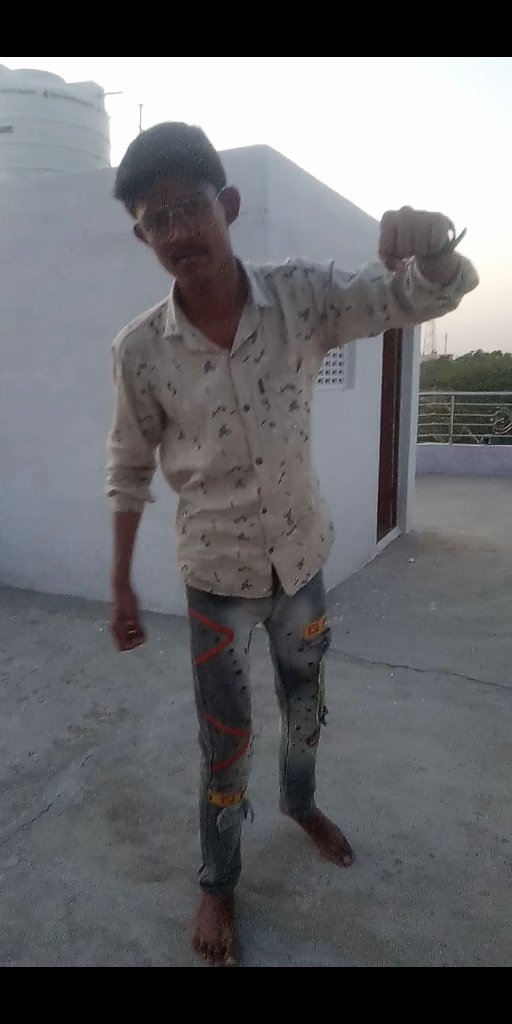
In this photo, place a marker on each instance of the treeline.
(474, 371)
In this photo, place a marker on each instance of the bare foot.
(328, 839)
(214, 936)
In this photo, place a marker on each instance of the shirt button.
(259, 461)
(263, 511)
(246, 408)
(271, 551)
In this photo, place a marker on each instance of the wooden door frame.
(408, 427)
(390, 430)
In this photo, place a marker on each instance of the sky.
(430, 132)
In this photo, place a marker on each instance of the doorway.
(387, 501)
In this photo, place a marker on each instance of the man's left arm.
(417, 280)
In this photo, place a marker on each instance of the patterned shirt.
(233, 426)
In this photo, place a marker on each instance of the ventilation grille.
(332, 370)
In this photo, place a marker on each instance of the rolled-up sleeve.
(135, 436)
(372, 300)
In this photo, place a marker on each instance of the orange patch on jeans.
(225, 799)
(314, 738)
(315, 628)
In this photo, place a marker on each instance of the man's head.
(172, 182)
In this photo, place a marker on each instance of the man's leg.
(299, 638)
(220, 634)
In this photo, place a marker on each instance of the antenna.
(140, 106)
(429, 340)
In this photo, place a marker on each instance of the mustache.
(185, 251)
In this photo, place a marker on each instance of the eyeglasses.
(194, 212)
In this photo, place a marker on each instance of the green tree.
(466, 419)
(474, 371)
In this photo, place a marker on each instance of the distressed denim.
(221, 630)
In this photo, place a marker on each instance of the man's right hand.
(125, 624)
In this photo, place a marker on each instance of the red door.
(387, 503)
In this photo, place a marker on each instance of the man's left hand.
(405, 233)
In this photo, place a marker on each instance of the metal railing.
(465, 417)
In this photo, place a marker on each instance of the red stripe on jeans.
(228, 634)
(230, 732)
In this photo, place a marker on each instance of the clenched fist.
(125, 624)
(407, 232)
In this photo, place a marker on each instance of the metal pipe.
(452, 416)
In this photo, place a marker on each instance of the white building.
(71, 276)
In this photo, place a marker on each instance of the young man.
(219, 377)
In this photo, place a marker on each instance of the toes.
(201, 947)
(219, 953)
(215, 954)
(343, 857)
(211, 952)
(225, 955)
(209, 955)
(231, 958)
(347, 856)
(213, 937)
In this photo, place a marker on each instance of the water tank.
(50, 126)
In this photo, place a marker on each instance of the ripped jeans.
(221, 630)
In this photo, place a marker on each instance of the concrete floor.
(98, 843)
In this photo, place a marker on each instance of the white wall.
(307, 217)
(346, 428)
(71, 276)
(465, 459)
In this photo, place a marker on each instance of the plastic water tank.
(50, 126)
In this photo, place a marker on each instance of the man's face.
(187, 226)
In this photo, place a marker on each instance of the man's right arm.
(132, 444)
(125, 621)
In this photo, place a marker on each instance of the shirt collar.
(259, 297)
(174, 317)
